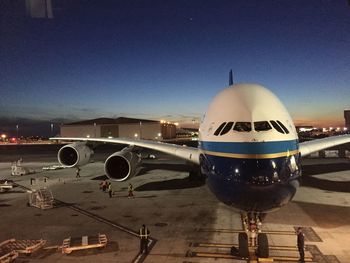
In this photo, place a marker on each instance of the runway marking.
(212, 245)
(229, 256)
(319, 257)
(283, 248)
(230, 231)
(292, 259)
(211, 255)
(139, 257)
(310, 234)
(220, 230)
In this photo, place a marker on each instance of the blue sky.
(167, 59)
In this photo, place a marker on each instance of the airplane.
(248, 150)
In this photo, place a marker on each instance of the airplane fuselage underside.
(252, 185)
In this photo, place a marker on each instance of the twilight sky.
(167, 59)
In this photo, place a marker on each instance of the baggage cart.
(11, 248)
(85, 242)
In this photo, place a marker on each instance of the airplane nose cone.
(259, 185)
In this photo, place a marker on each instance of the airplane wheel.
(243, 245)
(263, 246)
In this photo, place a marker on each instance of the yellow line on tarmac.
(213, 255)
(279, 232)
(286, 248)
(264, 260)
(291, 259)
(240, 231)
(271, 259)
(216, 245)
(222, 230)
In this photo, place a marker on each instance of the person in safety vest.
(144, 235)
(77, 172)
(131, 191)
(110, 189)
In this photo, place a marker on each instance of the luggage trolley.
(85, 242)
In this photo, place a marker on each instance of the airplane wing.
(309, 147)
(190, 154)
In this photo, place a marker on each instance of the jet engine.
(122, 165)
(75, 154)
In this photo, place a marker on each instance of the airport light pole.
(140, 130)
(51, 129)
(17, 133)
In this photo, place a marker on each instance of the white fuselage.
(249, 149)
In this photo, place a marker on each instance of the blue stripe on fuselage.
(270, 147)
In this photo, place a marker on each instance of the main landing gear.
(252, 237)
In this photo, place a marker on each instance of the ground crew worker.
(131, 191)
(78, 172)
(144, 234)
(110, 190)
(104, 186)
(300, 243)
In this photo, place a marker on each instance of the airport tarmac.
(186, 221)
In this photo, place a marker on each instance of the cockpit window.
(227, 128)
(283, 127)
(276, 126)
(218, 130)
(262, 126)
(243, 126)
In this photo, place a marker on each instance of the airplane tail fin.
(231, 78)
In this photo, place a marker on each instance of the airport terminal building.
(119, 127)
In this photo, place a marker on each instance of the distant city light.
(3, 136)
(136, 135)
(305, 129)
(345, 129)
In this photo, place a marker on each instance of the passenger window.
(227, 128)
(283, 127)
(277, 127)
(243, 126)
(262, 126)
(218, 130)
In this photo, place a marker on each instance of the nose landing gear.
(252, 239)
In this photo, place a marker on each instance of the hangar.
(120, 127)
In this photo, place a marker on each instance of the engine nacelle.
(122, 165)
(74, 154)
